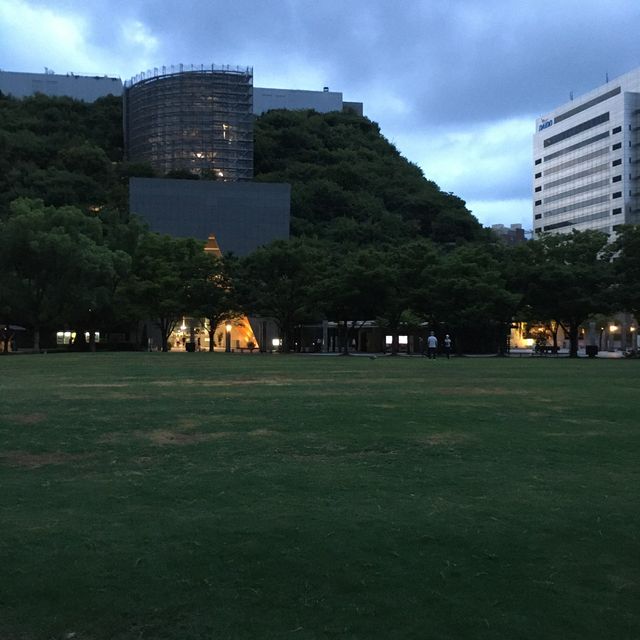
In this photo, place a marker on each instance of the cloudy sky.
(456, 85)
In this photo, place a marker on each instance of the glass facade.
(199, 121)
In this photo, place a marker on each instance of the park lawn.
(189, 496)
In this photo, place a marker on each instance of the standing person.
(447, 345)
(432, 345)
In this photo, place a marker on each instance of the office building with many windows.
(586, 171)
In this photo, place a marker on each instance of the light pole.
(227, 343)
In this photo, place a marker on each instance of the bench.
(544, 350)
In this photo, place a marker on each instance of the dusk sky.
(455, 85)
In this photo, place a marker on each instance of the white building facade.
(586, 171)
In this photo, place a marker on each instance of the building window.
(616, 130)
(538, 229)
(617, 145)
(617, 194)
(616, 178)
(538, 189)
(579, 128)
(615, 163)
(538, 203)
(615, 212)
(539, 160)
(539, 175)
(538, 216)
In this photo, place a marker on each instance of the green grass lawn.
(189, 496)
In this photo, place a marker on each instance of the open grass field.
(193, 496)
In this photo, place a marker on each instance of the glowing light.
(228, 328)
(613, 328)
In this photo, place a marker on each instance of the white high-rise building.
(586, 171)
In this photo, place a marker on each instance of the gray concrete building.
(86, 88)
(242, 215)
(90, 88)
(586, 171)
(324, 101)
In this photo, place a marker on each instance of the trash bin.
(190, 346)
(591, 350)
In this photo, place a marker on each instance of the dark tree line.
(372, 239)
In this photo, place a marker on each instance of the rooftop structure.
(80, 87)
(265, 99)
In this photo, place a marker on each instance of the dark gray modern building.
(197, 119)
(242, 215)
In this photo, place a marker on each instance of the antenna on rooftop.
(606, 75)
(570, 95)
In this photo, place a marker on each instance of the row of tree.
(60, 266)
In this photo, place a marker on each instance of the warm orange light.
(613, 328)
(228, 328)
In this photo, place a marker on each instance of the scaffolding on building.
(198, 120)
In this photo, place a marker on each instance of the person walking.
(432, 346)
(447, 345)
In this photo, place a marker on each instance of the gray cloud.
(439, 76)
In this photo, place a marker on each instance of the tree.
(211, 293)
(626, 266)
(400, 271)
(50, 256)
(352, 288)
(164, 269)
(468, 291)
(341, 168)
(274, 281)
(568, 278)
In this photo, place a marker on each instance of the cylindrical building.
(199, 120)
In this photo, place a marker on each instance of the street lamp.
(227, 343)
(612, 336)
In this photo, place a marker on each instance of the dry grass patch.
(165, 437)
(576, 434)
(27, 418)
(478, 391)
(35, 460)
(445, 439)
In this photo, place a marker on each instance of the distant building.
(294, 99)
(197, 120)
(86, 88)
(513, 234)
(586, 169)
(90, 88)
